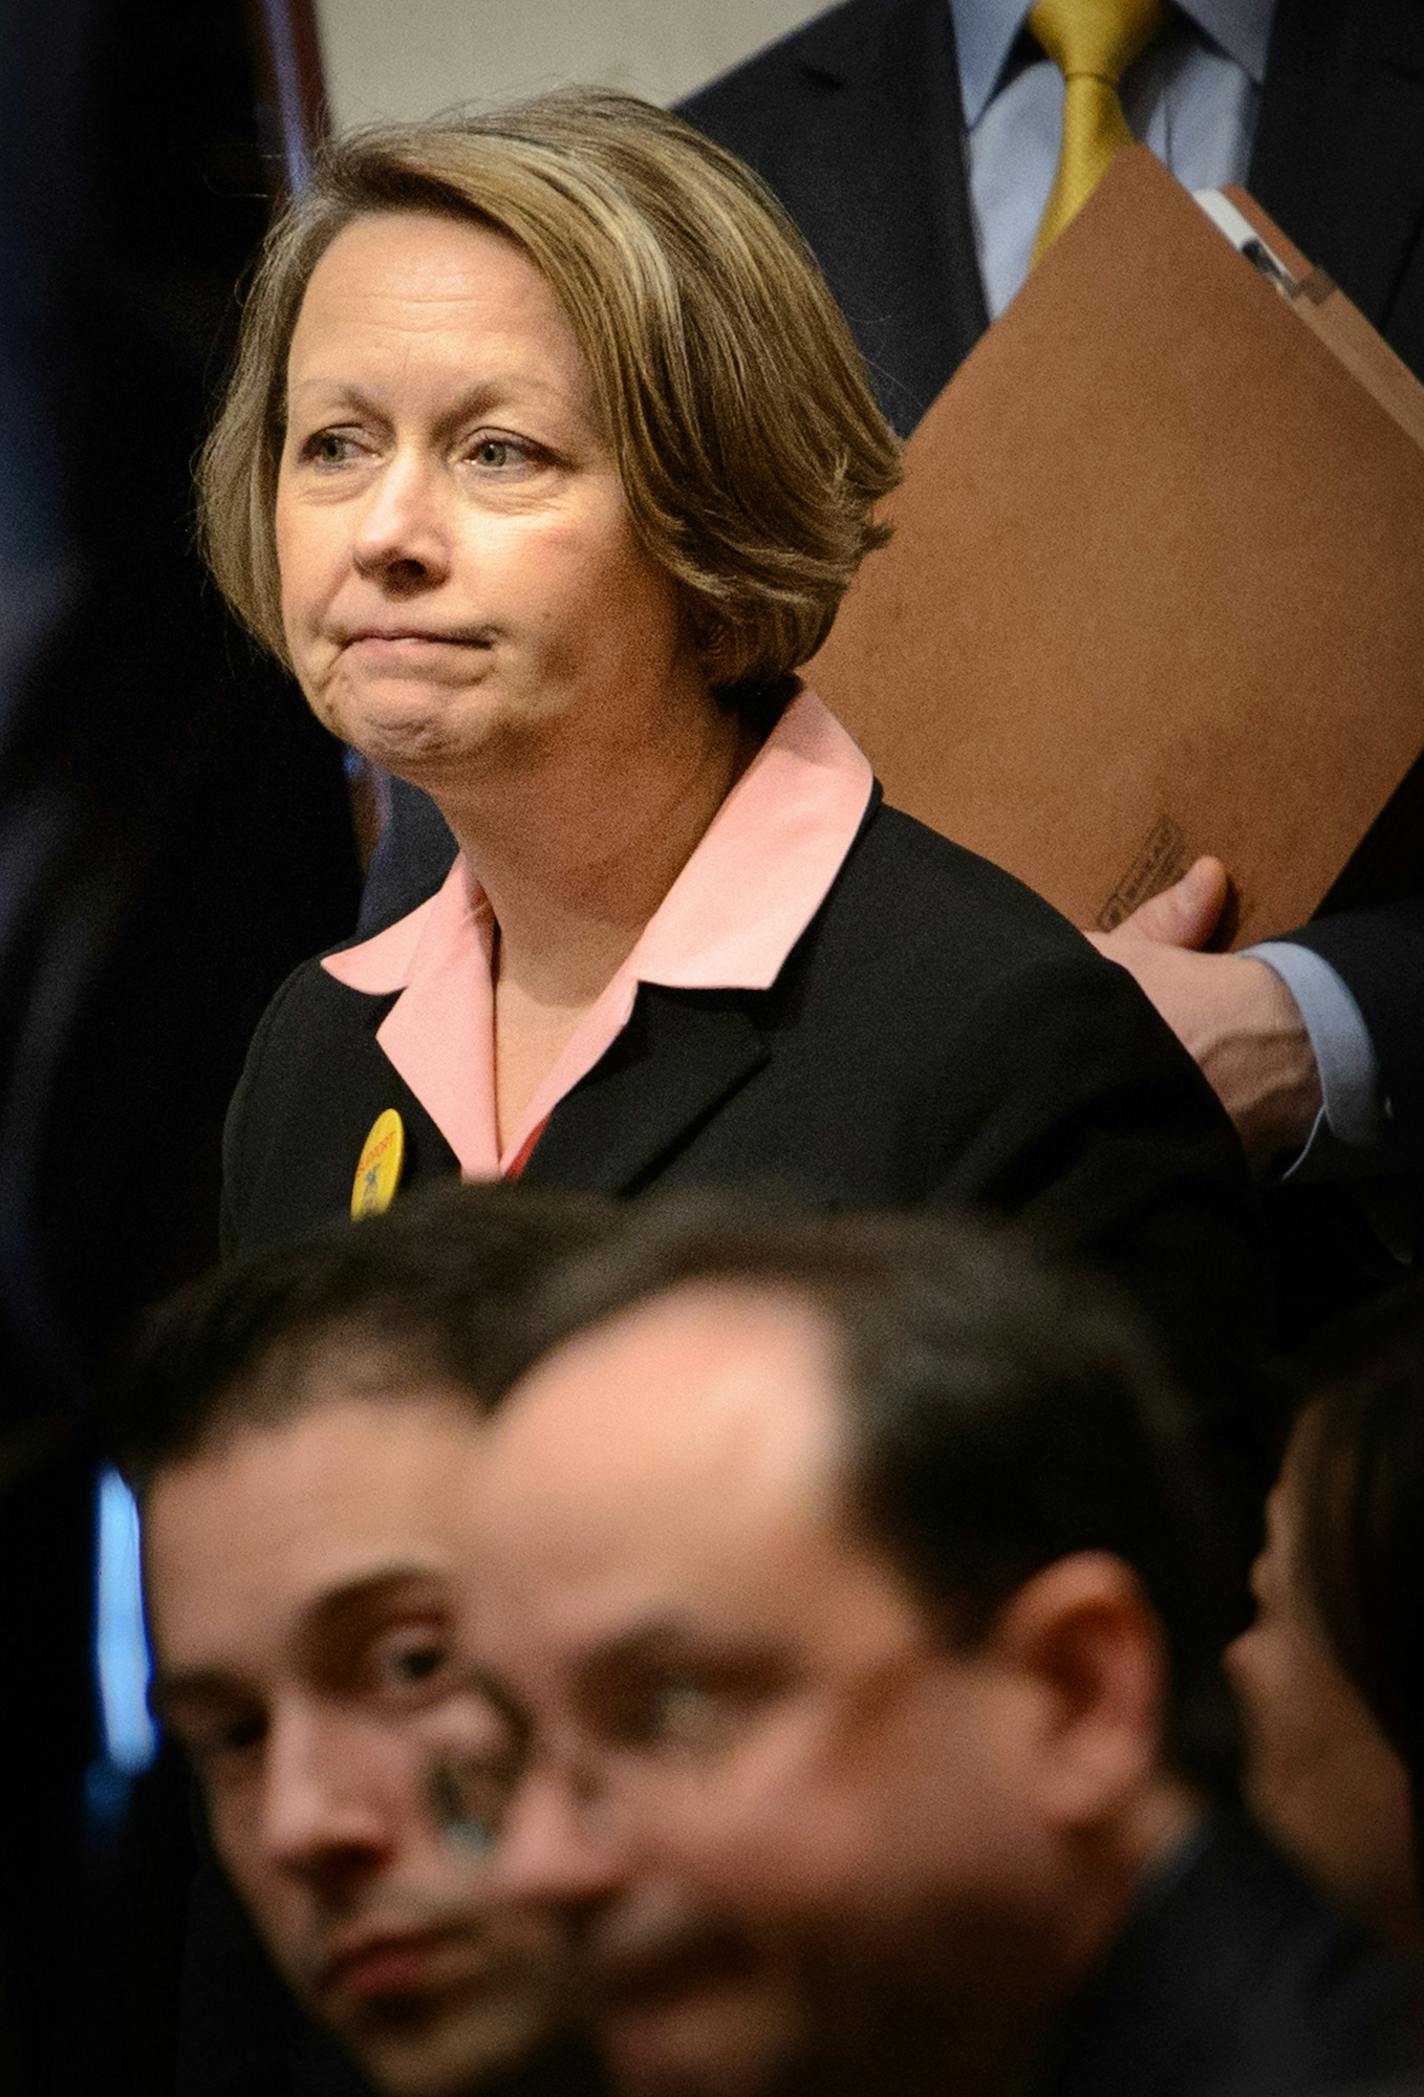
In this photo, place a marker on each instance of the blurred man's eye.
(690, 1715)
(410, 1660)
(220, 1746)
(679, 1715)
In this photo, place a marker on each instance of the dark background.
(175, 834)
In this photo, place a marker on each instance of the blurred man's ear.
(1088, 1652)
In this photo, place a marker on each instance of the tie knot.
(1099, 37)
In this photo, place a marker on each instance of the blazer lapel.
(1339, 154)
(680, 1056)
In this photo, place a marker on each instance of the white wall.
(400, 59)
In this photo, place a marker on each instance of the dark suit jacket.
(938, 1035)
(1235, 1979)
(848, 120)
(852, 120)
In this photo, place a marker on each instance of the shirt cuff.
(1354, 1114)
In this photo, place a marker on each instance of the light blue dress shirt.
(1193, 97)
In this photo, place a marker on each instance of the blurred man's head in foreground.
(301, 1432)
(840, 1588)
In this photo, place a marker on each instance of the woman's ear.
(1084, 1640)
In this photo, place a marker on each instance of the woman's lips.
(409, 639)
(421, 656)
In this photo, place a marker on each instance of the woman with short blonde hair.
(749, 446)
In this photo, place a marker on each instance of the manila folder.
(1157, 583)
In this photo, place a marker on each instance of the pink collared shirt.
(759, 874)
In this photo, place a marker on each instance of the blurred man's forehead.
(287, 1529)
(672, 1482)
(721, 1350)
(708, 1388)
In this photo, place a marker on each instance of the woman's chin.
(413, 733)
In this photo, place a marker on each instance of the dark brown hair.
(430, 1292)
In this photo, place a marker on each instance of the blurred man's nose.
(553, 1848)
(326, 1810)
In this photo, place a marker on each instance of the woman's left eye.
(497, 454)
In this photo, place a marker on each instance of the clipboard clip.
(1248, 242)
(1270, 266)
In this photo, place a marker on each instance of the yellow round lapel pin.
(378, 1169)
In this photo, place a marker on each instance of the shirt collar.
(985, 32)
(763, 866)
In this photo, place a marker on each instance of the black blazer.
(939, 1035)
(1235, 1979)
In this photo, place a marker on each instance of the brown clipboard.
(1157, 580)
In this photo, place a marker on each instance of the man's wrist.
(1355, 1116)
(1285, 1101)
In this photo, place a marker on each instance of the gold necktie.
(1092, 42)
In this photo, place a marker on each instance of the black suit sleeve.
(1091, 1125)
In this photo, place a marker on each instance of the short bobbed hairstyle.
(736, 406)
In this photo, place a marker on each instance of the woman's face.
(460, 578)
(1320, 1774)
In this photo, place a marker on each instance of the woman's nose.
(402, 537)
